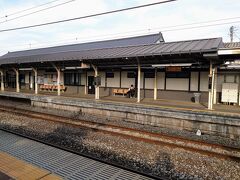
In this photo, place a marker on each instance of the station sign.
(173, 69)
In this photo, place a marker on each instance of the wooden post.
(210, 91)
(155, 85)
(36, 84)
(17, 80)
(58, 79)
(2, 80)
(215, 87)
(85, 90)
(139, 83)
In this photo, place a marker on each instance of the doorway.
(91, 86)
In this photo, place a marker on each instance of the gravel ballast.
(174, 163)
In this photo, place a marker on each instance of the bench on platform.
(48, 87)
(120, 91)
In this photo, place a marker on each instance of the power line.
(167, 28)
(112, 35)
(18, 12)
(88, 16)
(201, 26)
(37, 11)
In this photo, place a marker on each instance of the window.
(109, 75)
(73, 79)
(131, 74)
(177, 74)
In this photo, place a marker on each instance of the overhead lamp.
(25, 69)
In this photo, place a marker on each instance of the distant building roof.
(138, 40)
(169, 48)
(231, 45)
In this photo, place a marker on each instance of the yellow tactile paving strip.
(21, 170)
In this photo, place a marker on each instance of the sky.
(142, 21)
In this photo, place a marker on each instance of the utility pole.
(231, 33)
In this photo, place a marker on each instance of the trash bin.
(197, 97)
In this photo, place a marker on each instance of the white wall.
(177, 84)
(127, 82)
(102, 75)
(194, 81)
(114, 82)
(149, 83)
(160, 80)
(83, 78)
(220, 80)
(204, 81)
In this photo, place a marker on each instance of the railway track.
(201, 147)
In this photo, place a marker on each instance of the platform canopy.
(141, 51)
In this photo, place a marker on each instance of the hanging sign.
(173, 69)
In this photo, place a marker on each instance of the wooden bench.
(48, 87)
(120, 91)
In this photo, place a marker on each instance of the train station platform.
(14, 168)
(223, 120)
(218, 109)
(25, 159)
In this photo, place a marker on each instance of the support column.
(36, 84)
(215, 87)
(2, 80)
(85, 90)
(17, 80)
(155, 85)
(97, 93)
(210, 91)
(139, 84)
(58, 79)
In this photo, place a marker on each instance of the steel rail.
(201, 147)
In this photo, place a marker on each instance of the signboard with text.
(173, 69)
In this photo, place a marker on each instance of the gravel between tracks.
(76, 115)
(175, 163)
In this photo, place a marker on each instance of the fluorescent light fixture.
(167, 65)
(78, 67)
(237, 66)
(25, 69)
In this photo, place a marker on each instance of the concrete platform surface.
(14, 168)
(15, 150)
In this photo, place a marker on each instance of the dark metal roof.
(232, 45)
(161, 49)
(138, 40)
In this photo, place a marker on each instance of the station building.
(158, 70)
